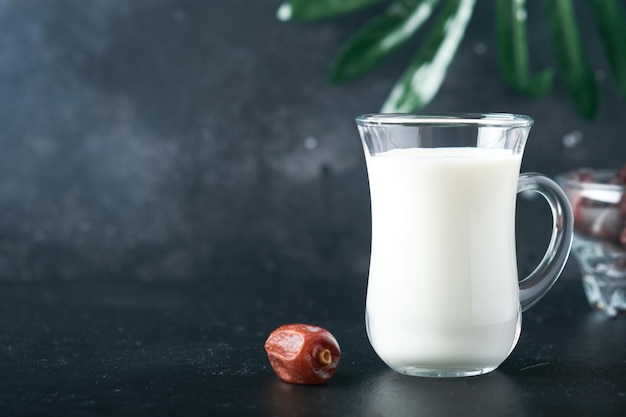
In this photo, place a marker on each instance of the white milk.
(442, 289)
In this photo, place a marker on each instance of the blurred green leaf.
(381, 36)
(570, 53)
(318, 9)
(513, 50)
(421, 81)
(609, 16)
(425, 74)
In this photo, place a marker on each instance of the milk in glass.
(443, 286)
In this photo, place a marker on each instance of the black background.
(159, 138)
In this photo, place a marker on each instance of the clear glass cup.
(599, 204)
(443, 295)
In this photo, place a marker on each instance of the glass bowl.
(598, 199)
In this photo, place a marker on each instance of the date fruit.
(303, 353)
(620, 176)
(597, 217)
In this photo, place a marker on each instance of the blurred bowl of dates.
(598, 199)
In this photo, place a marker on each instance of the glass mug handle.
(537, 284)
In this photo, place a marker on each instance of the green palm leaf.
(381, 36)
(318, 9)
(422, 80)
(573, 62)
(513, 50)
(610, 19)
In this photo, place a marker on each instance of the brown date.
(619, 177)
(607, 224)
(582, 207)
(584, 175)
(303, 353)
(597, 218)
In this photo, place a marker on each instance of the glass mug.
(443, 295)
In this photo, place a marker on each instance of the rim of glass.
(602, 175)
(446, 119)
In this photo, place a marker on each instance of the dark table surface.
(120, 348)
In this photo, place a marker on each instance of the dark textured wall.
(186, 139)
